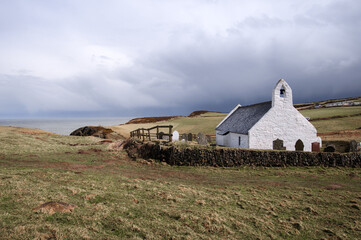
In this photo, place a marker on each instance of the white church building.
(269, 125)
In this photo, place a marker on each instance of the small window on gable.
(283, 92)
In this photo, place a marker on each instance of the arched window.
(282, 92)
(299, 145)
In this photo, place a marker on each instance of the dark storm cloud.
(174, 57)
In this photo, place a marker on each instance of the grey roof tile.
(244, 118)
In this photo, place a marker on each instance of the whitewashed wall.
(219, 139)
(284, 122)
(232, 140)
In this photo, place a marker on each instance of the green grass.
(118, 198)
(331, 112)
(338, 124)
(17, 145)
(206, 124)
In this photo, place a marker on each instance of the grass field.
(117, 198)
(207, 123)
(347, 127)
(333, 125)
(331, 112)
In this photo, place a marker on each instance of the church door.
(299, 145)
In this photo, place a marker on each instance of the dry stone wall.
(228, 157)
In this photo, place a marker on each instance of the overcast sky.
(136, 58)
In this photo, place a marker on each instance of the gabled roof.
(242, 119)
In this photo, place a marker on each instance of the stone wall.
(227, 157)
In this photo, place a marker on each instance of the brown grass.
(118, 198)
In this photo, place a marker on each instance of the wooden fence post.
(144, 133)
(170, 133)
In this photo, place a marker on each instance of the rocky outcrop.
(99, 131)
(228, 157)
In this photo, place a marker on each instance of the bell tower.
(282, 94)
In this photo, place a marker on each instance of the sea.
(63, 126)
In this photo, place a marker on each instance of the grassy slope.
(348, 124)
(331, 112)
(334, 125)
(207, 123)
(118, 198)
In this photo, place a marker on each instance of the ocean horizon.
(63, 126)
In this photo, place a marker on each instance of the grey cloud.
(173, 64)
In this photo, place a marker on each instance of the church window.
(239, 141)
(283, 92)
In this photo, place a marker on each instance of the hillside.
(205, 123)
(113, 197)
(332, 123)
(337, 123)
(324, 103)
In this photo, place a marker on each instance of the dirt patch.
(70, 166)
(280, 173)
(273, 184)
(353, 175)
(153, 173)
(89, 151)
(334, 117)
(333, 187)
(53, 207)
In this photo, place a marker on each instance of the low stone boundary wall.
(228, 157)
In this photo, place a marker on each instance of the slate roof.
(244, 118)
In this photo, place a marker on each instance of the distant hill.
(200, 112)
(164, 118)
(326, 103)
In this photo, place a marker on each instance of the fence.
(232, 157)
(146, 133)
